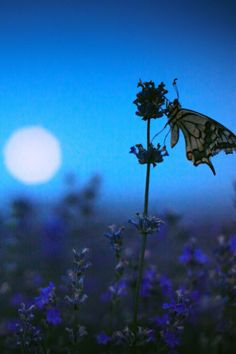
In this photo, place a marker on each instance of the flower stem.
(144, 240)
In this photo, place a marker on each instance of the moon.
(32, 155)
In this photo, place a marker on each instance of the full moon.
(32, 155)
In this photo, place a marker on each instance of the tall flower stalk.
(144, 236)
(149, 103)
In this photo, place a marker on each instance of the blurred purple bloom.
(106, 296)
(193, 255)
(46, 295)
(116, 238)
(171, 339)
(53, 237)
(180, 305)
(162, 321)
(103, 338)
(12, 325)
(128, 338)
(148, 282)
(17, 299)
(37, 279)
(27, 333)
(200, 256)
(166, 306)
(232, 244)
(53, 316)
(166, 285)
(119, 288)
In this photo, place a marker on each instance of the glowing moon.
(32, 155)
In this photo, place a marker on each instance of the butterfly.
(204, 137)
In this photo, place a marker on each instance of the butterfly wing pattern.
(204, 137)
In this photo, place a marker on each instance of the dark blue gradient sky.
(73, 67)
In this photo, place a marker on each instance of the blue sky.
(72, 67)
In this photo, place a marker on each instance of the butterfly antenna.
(159, 133)
(176, 88)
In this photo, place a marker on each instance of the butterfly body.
(204, 137)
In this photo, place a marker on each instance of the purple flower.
(171, 339)
(17, 299)
(166, 286)
(148, 282)
(119, 288)
(116, 238)
(151, 155)
(53, 316)
(12, 325)
(232, 244)
(166, 306)
(200, 257)
(45, 296)
(103, 338)
(146, 224)
(191, 254)
(150, 99)
(162, 321)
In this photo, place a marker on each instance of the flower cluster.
(27, 334)
(46, 296)
(152, 155)
(226, 266)
(76, 296)
(47, 301)
(118, 288)
(116, 239)
(149, 280)
(146, 225)
(150, 100)
(195, 262)
(129, 338)
(171, 323)
(76, 334)
(192, 255)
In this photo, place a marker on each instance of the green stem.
(144, 239)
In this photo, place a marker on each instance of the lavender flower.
(128, 338)
(27, 335)
(193, 255)
(150, 156)
(226, 267)
(196, 263)
(102, 338)
(148, 282)
(232, 244)
(171, 323)
(76, 334)
(166, 286)
(118, 289)
(46, 296)
(76, 296)
(53, 316)
(146, 224)
(150, 100)
(116, 238)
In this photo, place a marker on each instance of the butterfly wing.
(174, 134)
(204, 137)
